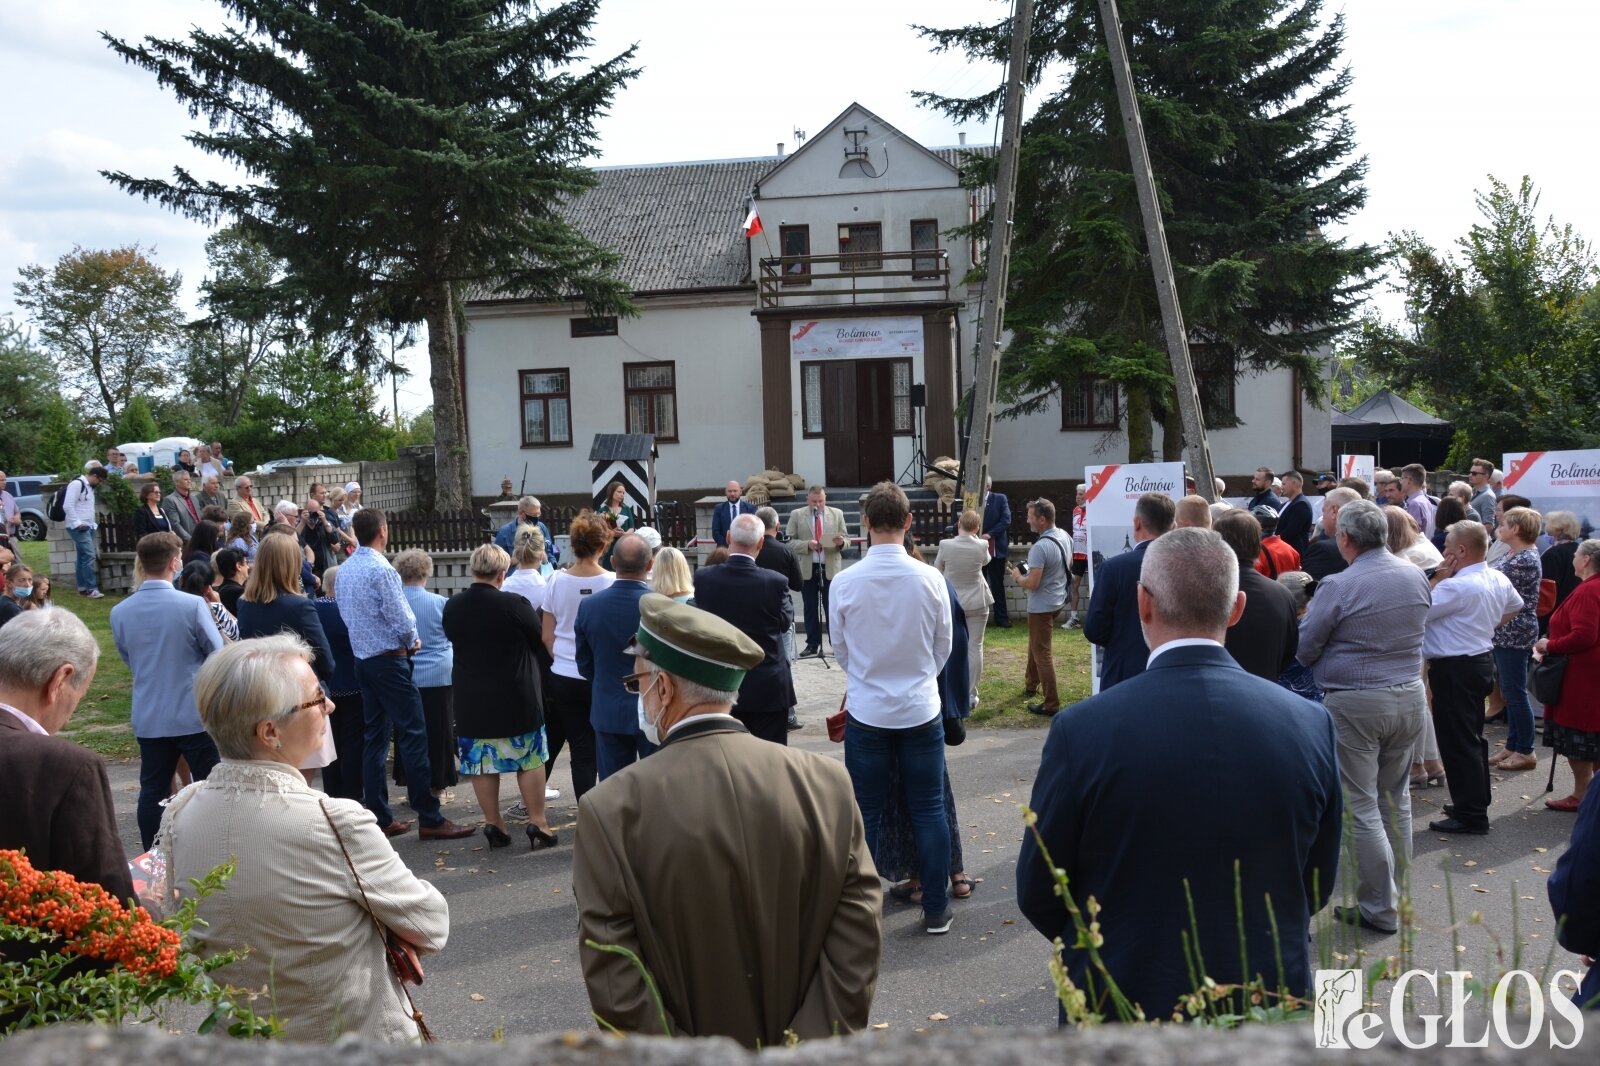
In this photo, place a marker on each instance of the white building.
(806, 348)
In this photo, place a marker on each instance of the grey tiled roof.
(677, 225)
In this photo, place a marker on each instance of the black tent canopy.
(1395, 431)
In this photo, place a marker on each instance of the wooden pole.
(996, 266)
(1155, 233)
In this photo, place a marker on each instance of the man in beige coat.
(818, 537)
(736, 870)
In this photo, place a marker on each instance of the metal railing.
(853, 276)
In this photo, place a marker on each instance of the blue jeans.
(158, 761)
(618, 751)
(814, 588)
(917, 754)
(388, 696)
(88, 554)
(1512, 666)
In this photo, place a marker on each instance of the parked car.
(30, 504)
(302, 460)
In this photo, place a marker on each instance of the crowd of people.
(1270, 660)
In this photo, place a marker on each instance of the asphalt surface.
(512, 962)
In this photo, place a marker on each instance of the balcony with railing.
(855, 277)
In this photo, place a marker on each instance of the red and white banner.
(1113, 493)
(1361, 466)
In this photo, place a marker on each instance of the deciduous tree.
(27, 383)
(396, 151)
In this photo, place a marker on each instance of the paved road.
(512, 960)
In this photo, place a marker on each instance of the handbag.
(404, 962)
(1545, 677)
(836, 724)
(1547, 597)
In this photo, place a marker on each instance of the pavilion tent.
(1395, 431)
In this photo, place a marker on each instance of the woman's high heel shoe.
(539, 839)
(498, 838)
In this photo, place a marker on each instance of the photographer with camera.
(1044, 578)
(317, 534)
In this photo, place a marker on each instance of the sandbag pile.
(946, 482)
(768, 485)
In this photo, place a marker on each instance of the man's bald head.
(631, 557)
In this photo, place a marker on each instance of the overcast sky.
(1445, 93)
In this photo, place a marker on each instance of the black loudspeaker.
(919, 395)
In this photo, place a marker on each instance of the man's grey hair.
(1363, 522)
(285, 506)
(248, 683)
(240, 480)
(1193, 577)
(529, 501)
(35, 644)
(180, 476)
(693, 692)
(1469, 533)
(769, 517)
(1339, 497)
(746, 531)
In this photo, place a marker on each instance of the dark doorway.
(858, 421)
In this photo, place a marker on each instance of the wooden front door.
(858, 422)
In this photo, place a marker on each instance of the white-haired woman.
(500, 715)
(295, 899)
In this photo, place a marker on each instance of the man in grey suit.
(164, 635)
(182, 506)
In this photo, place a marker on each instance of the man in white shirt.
(889, 618)
(1469, 601)
(81, 524)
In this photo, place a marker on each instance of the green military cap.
(693, 644)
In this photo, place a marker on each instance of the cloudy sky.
(1446, 92)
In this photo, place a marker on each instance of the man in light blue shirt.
(164, 635)
(383, 637)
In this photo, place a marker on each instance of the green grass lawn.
(1005, 660)
(102, 721)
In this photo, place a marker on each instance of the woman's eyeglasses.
(321, 700)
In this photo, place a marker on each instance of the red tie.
(189, 502)
(817, 518)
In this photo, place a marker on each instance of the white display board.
(1113, 492)
(1361, 466)
(1558, 481)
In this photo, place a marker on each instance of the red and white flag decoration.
(752, 221)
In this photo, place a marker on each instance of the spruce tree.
(398, 152)
(1253, 153)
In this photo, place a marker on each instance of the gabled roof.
(830, 124)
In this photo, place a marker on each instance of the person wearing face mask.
(499, 701)
(19, 590)
(779, 929)
(606, 622)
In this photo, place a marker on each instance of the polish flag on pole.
(752, 222)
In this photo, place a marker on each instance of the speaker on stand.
(917, 467)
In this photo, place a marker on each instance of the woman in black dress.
(148, 517)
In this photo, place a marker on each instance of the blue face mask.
(22, 592)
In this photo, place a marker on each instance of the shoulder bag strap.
(383, 931)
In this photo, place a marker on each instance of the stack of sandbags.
(944, 479)
(768, 485)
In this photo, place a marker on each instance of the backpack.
(58, 505)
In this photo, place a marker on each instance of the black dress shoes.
(539, 839)
(1455, 825)
(498, 838)
(1353, 916)
(809, 652)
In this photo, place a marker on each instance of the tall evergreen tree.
(1253, 153)
(398, 151)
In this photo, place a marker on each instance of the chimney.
(961, 137)
(780, 149)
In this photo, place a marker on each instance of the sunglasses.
(631, 682)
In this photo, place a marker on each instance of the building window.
(795, 242)
(1090, 403)
(650, 391)
(811, 399)
(1215, 371)
(924, 238)
(603, 326)
(862, 244)
(546, 408)
(900, 374)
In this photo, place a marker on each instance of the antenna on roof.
(799, 135)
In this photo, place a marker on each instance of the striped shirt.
(1364, 627)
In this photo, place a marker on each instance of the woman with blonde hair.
(1556, 564)
(1406, 539)
(272, 604)
(303, 860)
(528, 552)
(961, 560)
(567, 702)
(1518, 529)
(501, 710)
(671, 576)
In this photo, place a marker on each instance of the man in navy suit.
(997, 530)
(1261, 760)
(604, 628)
(727, 512)
(757, 603)
(1113, 619)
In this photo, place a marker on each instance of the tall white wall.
(714, 343)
